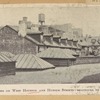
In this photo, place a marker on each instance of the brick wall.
(11, 42)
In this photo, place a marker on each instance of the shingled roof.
(55, 53)
(29, 61)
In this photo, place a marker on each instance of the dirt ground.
(61, 75)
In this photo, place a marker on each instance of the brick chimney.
(70, 42)
(57, 39)
(25, 19)
(22, 28)
(44, 29)
(75, 42)
(34, 27)
(29, 24)
(64, 41)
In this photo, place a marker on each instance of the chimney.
(22, 28)
(29, 24)
(25, 19)
(70, 42)
(75, 42)
(57, 39)
(44, 29)
(34, 27)
(64, 41)
(49, 38)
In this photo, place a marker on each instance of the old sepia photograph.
(49, 44)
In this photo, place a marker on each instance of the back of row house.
(27, 38)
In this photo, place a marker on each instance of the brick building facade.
(11, 42)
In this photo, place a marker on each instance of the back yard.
(61, 75)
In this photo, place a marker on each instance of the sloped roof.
(29, 31)
(33, 40)
(38, 43)
(73, 46)
(55, 53)
(27, 37)
(63, 37)
(54, 44)
(8, 54)
(96, 44)
(4, 58)
(71, 52)
(1, 27)
(85, 43)
(65, 46)
(62, 45)
(47, 43)
(68, 46)
(29, 61)
(75, 39)
(16, 28)
(48, 35)
(56, 36)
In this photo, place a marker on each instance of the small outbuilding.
(26, 62)
(7, 65)
(71, 52)
(58, 57)
(8, 54)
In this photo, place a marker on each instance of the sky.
(85, 17)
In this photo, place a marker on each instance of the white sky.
(87, 18)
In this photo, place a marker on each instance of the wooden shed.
(29, 62)
(58, 57)
(8, 54)
(7, 65)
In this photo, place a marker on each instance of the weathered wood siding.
(60, 62)
(11, 42)
(7, 68)
(87, 60)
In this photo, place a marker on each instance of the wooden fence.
(60, 62)
(87, 60)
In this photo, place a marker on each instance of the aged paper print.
(52, 44)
